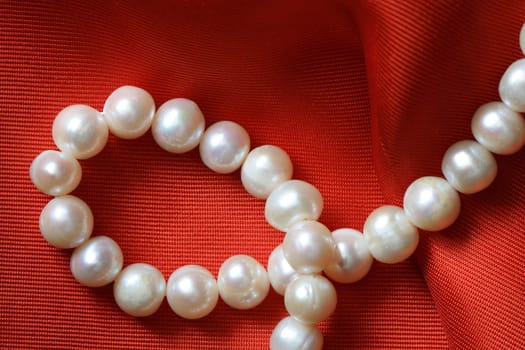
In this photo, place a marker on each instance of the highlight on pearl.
(522, 39)
(66, 222)
(512, 86)
(291, 334)
(55, 173)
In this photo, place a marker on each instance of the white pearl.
(66, 222)
(192, 292)
(469, 167)
(290, 334)
(310, 298)
(96, 262)
(178, 125)
(224, 146)
(390, 236)
(498, 128)
(81, 131)
(431, 203)
(129, 112)
(293, 201)
(512, 86)
(55, 173)
(265, 168)
(139, 289)
(280, 272)
(308, 246)
(352, 258)
(522, 39)
(243, 282)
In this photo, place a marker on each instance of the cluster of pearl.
(295, 267)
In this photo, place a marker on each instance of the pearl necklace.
(390, 233)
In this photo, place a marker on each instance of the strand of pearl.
(390, 233)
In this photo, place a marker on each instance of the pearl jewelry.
(280, 272)
(291, 334)
(97, 262)
(512, 86)
(55, 173)
(522, 39)
(469, 167)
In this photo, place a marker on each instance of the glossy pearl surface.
(498, 128)
(431, 203)
(310, 298)
(139, 290)
(192, 292)
(265, 168)
(390, 235)
(55, 173)
(178, 125)
(243, 282)
(522, 39)
(293, 201)
(512, 86)
(129, 112)
(308, 246)
(66, 222)
(81, 131)
(352, 259)
(469, 167)
(96, 262)
(290, 334)
(280, 272)
(224, 146)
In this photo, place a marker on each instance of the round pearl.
(512, 86)
(390, 236)
(129, 112)
(308, 246)
(192, 292)
(224, 146)
(66, 222)
(81, 131)
(522, 39)
(243, 282)
(280, 272)
(55, 173)
(431, 203)
(139, 290)
(97, 262)
(293, 201)
(352, 258)
(265, 168)
(310, 298)
(290, 334)
(498, 128)
(178, 125)
(469, 167)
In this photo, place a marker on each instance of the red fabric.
(364, 95)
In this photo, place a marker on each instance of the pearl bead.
(129, 112)
(512, 86)
(352, 258)
(522, 39)
(265, 168)
(66, 222)
(55, 173)
(469, 167)
(192, 292)
(308, 246)
(139, 290)
(96, 262)
(243, 282)
(293, 201)
(81, 131)
(290, 334)
(431, 203)
(224, 146)
(280, 272)
(178, 125)
(390, 236)
(498, 128)
(310, 298)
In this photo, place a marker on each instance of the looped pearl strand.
(390, 233)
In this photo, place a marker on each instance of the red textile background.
(364, 95)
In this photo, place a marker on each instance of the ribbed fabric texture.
(365, 96)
